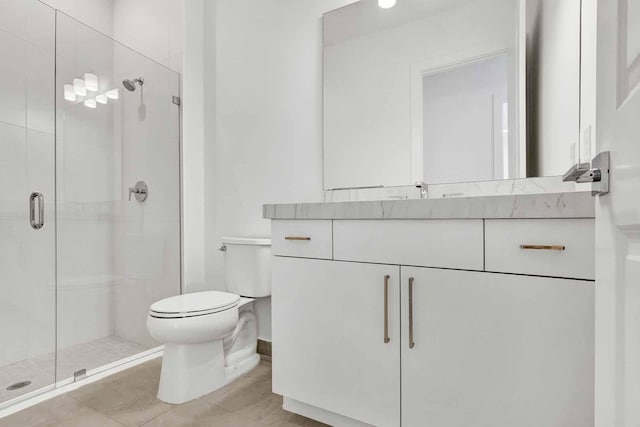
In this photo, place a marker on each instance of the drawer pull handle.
(297, 238)
(411, 343)
(544, 247)
(386, 309)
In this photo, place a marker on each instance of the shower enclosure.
(89, 199)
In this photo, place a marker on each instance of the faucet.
(423, 189)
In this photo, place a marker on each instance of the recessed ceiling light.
(386, 4)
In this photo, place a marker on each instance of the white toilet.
(210, 338)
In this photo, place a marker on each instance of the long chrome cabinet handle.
(297, 238)
(39, 223)
(386, 309)
(411, 343)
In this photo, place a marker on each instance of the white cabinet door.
(497, 350)
(329, 347)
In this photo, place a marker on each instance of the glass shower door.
(117, 126)
(27, 199)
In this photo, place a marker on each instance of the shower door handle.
(38, 223)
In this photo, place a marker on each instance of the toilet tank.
(247, 265)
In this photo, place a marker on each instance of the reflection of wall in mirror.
(553, 57)
(368, 86)
(466, 124)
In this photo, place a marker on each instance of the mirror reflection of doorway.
(466, 122)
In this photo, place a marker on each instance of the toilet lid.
(195, 304)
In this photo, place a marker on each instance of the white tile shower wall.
(148, 234)
(27, 257)
(163, 21)
(88, 182)
(97, 14)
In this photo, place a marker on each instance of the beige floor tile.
(129, 398)
(60, 411)
(144, 378)
(193, 413)
(262, 371)
(248, 393)
(130, 407)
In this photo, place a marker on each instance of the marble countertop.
(547, 205)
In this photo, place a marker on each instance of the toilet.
(210, 338)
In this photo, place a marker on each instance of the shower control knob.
(140, 191)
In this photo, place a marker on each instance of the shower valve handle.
(141, 191)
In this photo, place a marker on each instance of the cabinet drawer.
(429, 243)
(302, 238)
(544, 247)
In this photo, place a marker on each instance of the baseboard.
(327, 417)
(264, 349)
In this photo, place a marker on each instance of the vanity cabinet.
(398, 328)
(495, 350)
(329, 336)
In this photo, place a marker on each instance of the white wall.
(261, 79)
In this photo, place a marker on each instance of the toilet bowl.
(210, 338)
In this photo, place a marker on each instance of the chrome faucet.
(423, 189)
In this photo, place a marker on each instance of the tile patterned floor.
(41, 370)
(129, 399)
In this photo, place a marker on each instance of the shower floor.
(41, 370)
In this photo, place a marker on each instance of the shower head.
(130, 85)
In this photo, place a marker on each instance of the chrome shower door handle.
(38, 223)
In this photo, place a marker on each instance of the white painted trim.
(319, 414)
(64, 386)
(521, 92)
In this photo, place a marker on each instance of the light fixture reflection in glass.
(69, 93)
(113, 94)
(91, 82)
(79, 88)
(90, 103)
(386, 4)
(101, 99)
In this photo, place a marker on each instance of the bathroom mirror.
(446, 91)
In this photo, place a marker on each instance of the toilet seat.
(194, 304)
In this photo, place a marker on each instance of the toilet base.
(193, 370)
(190, 371)
(242, 367)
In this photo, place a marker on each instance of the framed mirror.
(446, 91)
